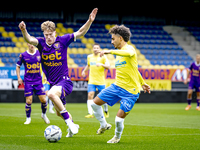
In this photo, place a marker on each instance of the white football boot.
(70, 134)
(102, 130)
(44, 117)
(28, 121)
(114, 140)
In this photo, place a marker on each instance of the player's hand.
(93, 14)
(22, 26)
(20, 81)
(104, 52)
(99, 64)
(146, 88)
(185, 81)
(83, 74)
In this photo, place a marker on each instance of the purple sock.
(28, 110)
(65, 114)
(44, 107)
(198, 101)
(189, 101)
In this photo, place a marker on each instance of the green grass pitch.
(148, 126)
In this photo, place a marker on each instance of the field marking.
(136, 135)
(95, 121)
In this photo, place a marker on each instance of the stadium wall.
(17, 96)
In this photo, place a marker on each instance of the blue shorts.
(46, 87)
(114, 93)
(92, 87)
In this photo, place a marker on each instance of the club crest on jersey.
(38, 58)
(56, 45)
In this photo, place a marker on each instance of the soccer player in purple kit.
(33, 81)
(194, 72)
(53, 51)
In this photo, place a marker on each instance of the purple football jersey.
(54, 57)
(195, 71)
(32, 66)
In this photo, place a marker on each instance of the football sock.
(105, 106)
(44, 107)
(66, 117)
(28, 110)
(198, 100)
(90, 110)
(189, 101)
(119, 126)
(98, 112)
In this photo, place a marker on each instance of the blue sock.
(65, 114)
(189, 101)
(198, 101)
(44, 107)
(28, 110)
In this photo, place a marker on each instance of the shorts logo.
(57, 46)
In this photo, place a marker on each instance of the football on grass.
(53, 133)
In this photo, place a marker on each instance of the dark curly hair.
(122, 31)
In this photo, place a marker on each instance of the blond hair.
(48, 25)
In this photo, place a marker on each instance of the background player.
(194, 72)
(97, 65)
(54, 62)
(33, 81)
(127, 84)
(46, 85)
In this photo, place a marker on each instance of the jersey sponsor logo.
(55, 56)
(120, 64)
(93, 63)
(32, 67)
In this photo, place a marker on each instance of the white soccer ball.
(53, 133)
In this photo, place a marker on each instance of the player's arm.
(85, 70)
(29, 39)
(145, 86)
(106, 65)
(20, 81)
(186, 80)
(125, 53)
(83, 30)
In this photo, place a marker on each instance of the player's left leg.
(127, 102)
(28, 109)
(119, 126)
(57, 94)
(44, 108)
(105, 106)
(39, 91)
(198, 101)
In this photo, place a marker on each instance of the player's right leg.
(91, 92)
(109, 96)
(28, 109)
(54, 95)
(28, 93)
(189, 99)
(89, 102)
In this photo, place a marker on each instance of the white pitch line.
(136, 135)
(95, 121)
